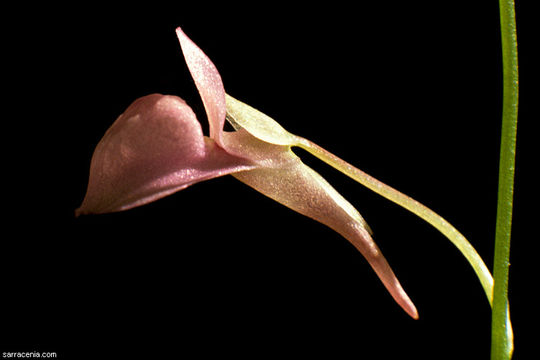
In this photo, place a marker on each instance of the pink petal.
(208, 82)
(152, 150)
(283, 177)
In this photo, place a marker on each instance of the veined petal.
(208, 82)
(156, 147)
(282, 176)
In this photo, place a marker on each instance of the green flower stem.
(502, 339)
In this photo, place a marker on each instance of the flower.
(156, 147)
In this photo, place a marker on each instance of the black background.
(409, 93)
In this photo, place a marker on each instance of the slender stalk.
(502, 338)
(410, 204)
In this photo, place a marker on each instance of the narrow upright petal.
(156, 147)
(208, 82)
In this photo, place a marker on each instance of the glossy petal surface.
(156, 147)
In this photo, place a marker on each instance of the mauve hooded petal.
(156, 147)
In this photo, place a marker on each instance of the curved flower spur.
(156, 147)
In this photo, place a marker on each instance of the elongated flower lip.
(284, 178)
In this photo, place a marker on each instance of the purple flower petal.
(156, 147)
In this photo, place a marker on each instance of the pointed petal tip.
(403, 300)
(410, 309)
(363, 241)
(401, 297)
(81, 211)
(179, 32)
(78, 212)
